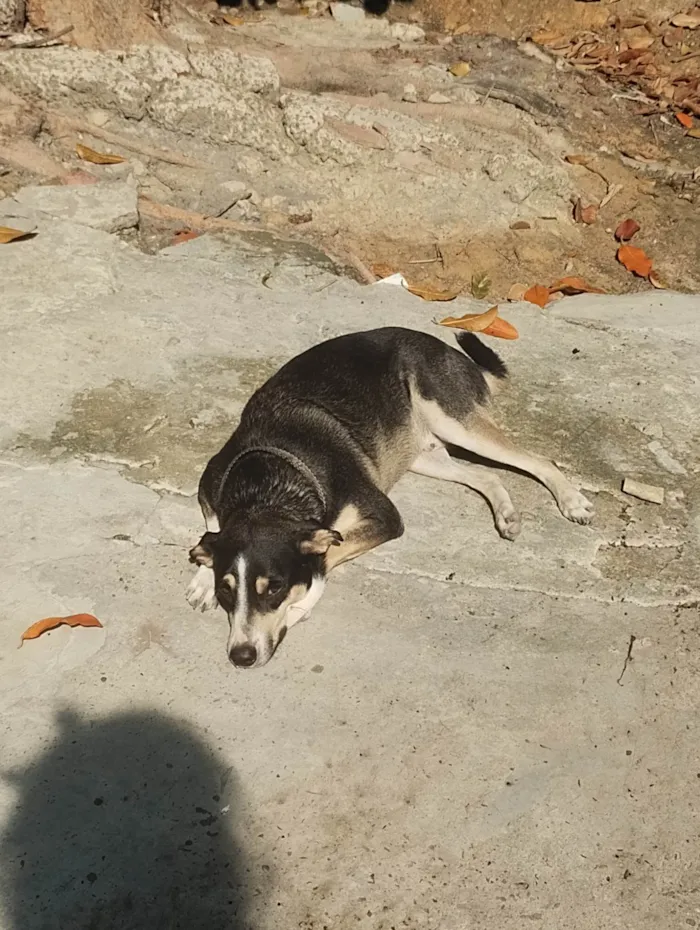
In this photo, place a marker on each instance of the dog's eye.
(274, 586)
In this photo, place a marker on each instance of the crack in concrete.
(531, 589)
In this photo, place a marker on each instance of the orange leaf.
(7, 234)
(635, 260)
(429, 293)
(501, 329)
(537, 294)
(685, 120)
(98, 158)
(50, 623)
(626, 230)
(472, 322)
(184, 235)
(573, 285)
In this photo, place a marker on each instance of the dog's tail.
(488, 360)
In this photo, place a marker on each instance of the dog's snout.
(244, 655)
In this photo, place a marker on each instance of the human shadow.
(118, 825)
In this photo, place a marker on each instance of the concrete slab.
(468, 733)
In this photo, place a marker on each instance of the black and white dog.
(302, 484)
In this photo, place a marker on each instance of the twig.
(438, 252)
(683, 58)
(41, 41)
(628, 657)
(59, 125)
(423, 261)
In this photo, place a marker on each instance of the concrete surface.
(455, 740)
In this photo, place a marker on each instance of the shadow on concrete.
(118, 825)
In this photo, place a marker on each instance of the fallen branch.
(39, 42)
(64, 125)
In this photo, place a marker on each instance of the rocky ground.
(469, 732)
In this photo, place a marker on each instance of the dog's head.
(263, 574)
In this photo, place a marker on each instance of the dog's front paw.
(576, 507)
(507, 521)
(201, 591)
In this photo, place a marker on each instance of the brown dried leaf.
(501, 329)
(7, 234)
(626, 230)
(232, 20)
(579, 159)
(520, 224)
(551, 39)
(98, 158)
(693, 133)
(641, 42)
(635, 260)
(537, 294)
(573, 285)
(517, 292)
(471, 322)
(50, 623)
(687, 20)
(430, 293)
(656, 281)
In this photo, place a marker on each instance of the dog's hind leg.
(437, 463)
(480, 435)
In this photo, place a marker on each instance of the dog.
(301, 486)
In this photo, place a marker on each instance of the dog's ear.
(319, 541)
(203, 552)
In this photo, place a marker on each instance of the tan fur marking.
(230, 581)
(261, 584)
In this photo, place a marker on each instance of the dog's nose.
(244, 656)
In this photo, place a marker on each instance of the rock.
(16, 115)
(407, 32)
(410, 94)
(83, 77)
(344, 13)
(215, 199)
(11, 15)
(107, 205)
(26, 155)
(237, 72)
(439, 98)
(464, 94)
(645, 492)
(360, 135)
(197, 106)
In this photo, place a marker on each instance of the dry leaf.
(548, 38)
(184, 235)
(685, 120)
(461, 30)
(537, 294)
(693, 133)
(233, 20)
(472, 322)
(7, 234)
(641, 42)
(50, 623)
(429, 293)
(586, 215)
(626, 230)
(635, 260)
(460, 68)
(520, 224)
(501, 329)
(573, 285)
(481, 285)
(382, 270)
(517, 292)
(579, 159)
(98, 158)
(656, 281)
(687, 20)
